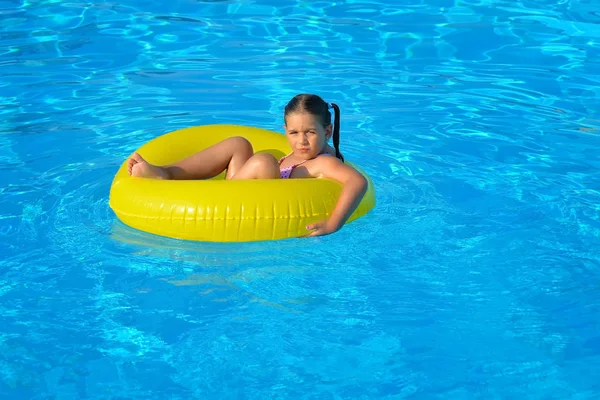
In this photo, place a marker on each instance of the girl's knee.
(264, 159)
(240, 143)
(259, 166)
(264, 166)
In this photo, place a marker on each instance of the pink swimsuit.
(285, 173)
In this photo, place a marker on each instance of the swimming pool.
(476, 275)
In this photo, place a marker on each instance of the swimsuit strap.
(284, 157)
(294, 165)
(287, 171)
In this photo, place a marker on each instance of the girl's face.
(306, 134)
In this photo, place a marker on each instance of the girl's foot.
(137, 166)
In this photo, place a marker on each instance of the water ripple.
(477, 121)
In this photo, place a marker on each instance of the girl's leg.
(259, 166)
(231, 154)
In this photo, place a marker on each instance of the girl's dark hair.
(315, 105)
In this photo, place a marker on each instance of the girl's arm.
(355, 187)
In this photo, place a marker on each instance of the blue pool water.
(475, 277)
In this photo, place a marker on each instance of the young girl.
(308, 128)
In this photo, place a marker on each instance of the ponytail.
(336, 131)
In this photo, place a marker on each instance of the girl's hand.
(321, 228)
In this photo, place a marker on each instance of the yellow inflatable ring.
(216, 210)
